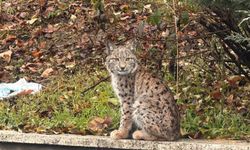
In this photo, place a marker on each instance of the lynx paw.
(137, 135)
(119, 134)
(142, 135)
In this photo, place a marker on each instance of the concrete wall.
(11, 140)
(20, 146)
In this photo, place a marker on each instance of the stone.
(69, 141)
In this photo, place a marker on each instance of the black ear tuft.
(109, 47)
(132, 44)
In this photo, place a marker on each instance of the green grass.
(204, 116)
(214, 123)
(61, 107)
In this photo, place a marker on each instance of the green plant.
(61, 107)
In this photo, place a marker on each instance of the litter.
(12, 89)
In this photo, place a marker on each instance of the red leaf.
(36, 53)
(25, 92)
(233, 80)
(216, 94)
(9, 38)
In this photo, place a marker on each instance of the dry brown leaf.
(30, 42)
(233, 80)
(230, 99)
(19, 43)
(77, 131)
(84, 40)
(50, 29)
(42, 45)
(37, 53)
(47, 72)
(216, 94)
(124, 6)
(33, 67)
(25, 92)
(98, 124)
(9, 38)
(42, 3)
(6, 55)
(37, 32)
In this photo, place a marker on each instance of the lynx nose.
(122, 66)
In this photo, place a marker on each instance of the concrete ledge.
(100, 142)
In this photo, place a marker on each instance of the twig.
(184, 57)
(230, 69)
(185, 38)
(205, 35)
(177, 49)
(241, 70)
(94, 85)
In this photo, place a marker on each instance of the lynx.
(145, 101)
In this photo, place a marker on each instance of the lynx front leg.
(125, 122)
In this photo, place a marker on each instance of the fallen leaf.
(25, 92)
(40, 130)
(31, 21)
(216, 94)
(70, 64)
(50, 29)
(9, 38)
(6, 55)
(28, 128)
(98, 124)
(165, 33)
(42, 3)
(77, 131)
(19, 43)
(124, 6)
(37, 32)
(147, 8)
(36, 53)
(234, 80)
(47, 73)
(5, 76)
(42, 45)
(34, 67)
(30, 42)
(73, 17)
(230, 99)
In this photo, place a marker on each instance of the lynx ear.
(132, 44)
(109, 47)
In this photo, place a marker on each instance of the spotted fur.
(145, 100)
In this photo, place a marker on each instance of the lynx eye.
(113, 59)
(129, 59)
